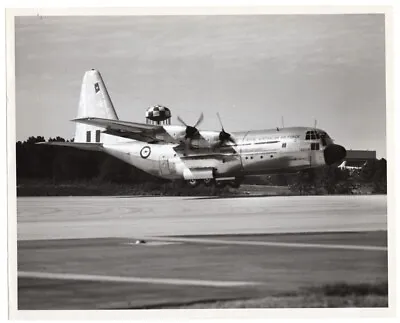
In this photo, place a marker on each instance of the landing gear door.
(164, 165)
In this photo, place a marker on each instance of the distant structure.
(158, 114)
(358, 158)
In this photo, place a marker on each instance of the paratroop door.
(164, 165)
(316, 157)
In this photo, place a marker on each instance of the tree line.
(59, 164)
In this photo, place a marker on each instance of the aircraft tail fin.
(94, 102)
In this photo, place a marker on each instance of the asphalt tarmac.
(83, 253)
(99, 217)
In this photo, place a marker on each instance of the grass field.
(330, 295)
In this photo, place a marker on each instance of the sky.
(252, 69)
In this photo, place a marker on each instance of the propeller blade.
(220, 122)
(223, 135)
(181, 121)
(199, 121)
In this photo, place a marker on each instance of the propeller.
(191, 131)
(223, 135)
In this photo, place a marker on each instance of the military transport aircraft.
(183, 152)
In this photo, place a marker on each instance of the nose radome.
(334, 154)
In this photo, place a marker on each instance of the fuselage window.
(97, 135)
(314, 146)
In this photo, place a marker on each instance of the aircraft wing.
(127, 129)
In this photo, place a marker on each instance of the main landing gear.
(235, 183)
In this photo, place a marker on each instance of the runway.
(82, 253)
(96, 217)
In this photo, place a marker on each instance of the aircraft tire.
(234, 184)
(193, 182)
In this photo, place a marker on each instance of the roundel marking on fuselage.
(145, 152)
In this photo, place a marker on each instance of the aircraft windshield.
(313, 134)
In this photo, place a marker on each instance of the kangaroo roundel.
(145, 152)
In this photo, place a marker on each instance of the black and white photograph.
(208, 160)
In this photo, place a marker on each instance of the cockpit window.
(320, 135)
(324, 135)
(312, 135)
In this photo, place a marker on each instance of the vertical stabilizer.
(94, 102)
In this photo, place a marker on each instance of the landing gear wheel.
(193, 182)
(235, 183)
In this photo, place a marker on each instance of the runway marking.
(146, 280)
(272, 244)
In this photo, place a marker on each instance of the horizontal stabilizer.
(77, 145)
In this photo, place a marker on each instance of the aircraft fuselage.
(254, 152)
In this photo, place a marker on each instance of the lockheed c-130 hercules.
(182, 152)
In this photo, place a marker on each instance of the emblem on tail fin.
(96, 87)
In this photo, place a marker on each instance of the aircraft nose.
(334, 154)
